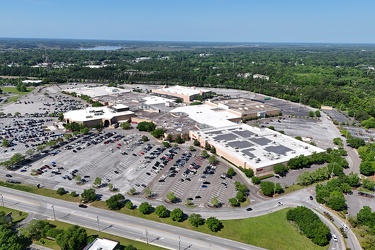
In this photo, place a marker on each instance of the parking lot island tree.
(204, 154)
(215, 202)
(98, 182)
(280, 169)
(61, 191)
(213, 160)
(129, 204)
(172, 197)
(132, 191)
(148, 192)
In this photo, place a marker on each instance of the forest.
(339, 75)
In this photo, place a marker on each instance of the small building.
(103, 244)
(187, 94)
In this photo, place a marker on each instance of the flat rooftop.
(259, 147)
(94, 113)
(103, 244)
(243, 105)
(151, 100)
(182, 90)
(174, 123)
(207, 115)
(96, 91)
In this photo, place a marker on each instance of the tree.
(196, 143)
(215, 201)
(317, 113)
(179, 139)
(145, 208)
(269, 188)
(204, 154)
(207, 146)
(336, 201)
(248, 172)
(157, 133)
(146, 126)
(10, 240)
(177, 215)
(280, 169)
(116, 202)
(110, 187)
(169, 138)
(367, 168)
(130, 247)
(145, 138)
(75, 237)
(98, 182)
(353, 179)
(191, 148)
(78, 179)
(230, 173)
(61, 191)
(29, 152)
(161, 211)
(171, 197)
(355, 142)
(255, 180)
(196, 220)
(241, 197)
(166, 144)
(61, 116)
(311, 114)
(213, 150)
(214, 224)
(132, 191)
(148, 192)
(212, 160)
(233, 202)
(368, 184)
(126, 125)
(5, 143)
(88, 195)
(129, 204)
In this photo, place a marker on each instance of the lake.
(102, 48)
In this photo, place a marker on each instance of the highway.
(164, 235)
(155, 233)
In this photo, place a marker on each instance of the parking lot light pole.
(2, 200)
(179, 242)
(146, 237)
(97, 220)
(53, 209)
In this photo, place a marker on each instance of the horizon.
(241, 21)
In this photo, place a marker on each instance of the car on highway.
(334, 237)
(8, 175)
(279, 203)
(311, 198)
(82, 206)
(249, 209)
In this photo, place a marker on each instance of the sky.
(273, 21)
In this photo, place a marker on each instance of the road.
(155, 233)
(161, 234)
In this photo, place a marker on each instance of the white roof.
(156, 100)
(96, 91)
(93, 113)
(119, 106)
(103, 244)
(259, 147)
(32, 81)
(209, 115)
(181, 90)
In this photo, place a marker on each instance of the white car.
(334, 237)
(279, 203)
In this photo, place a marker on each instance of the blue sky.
(327, 21)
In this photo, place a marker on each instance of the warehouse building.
(250, 147)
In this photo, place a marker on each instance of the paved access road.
(155, 233)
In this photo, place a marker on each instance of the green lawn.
(123, 241)
(17, 216)
(15, 93)
(40, 191)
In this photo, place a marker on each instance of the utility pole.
(53, 209)
(97, 220)
(146, 237)
(2, 200)
(179, 242)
